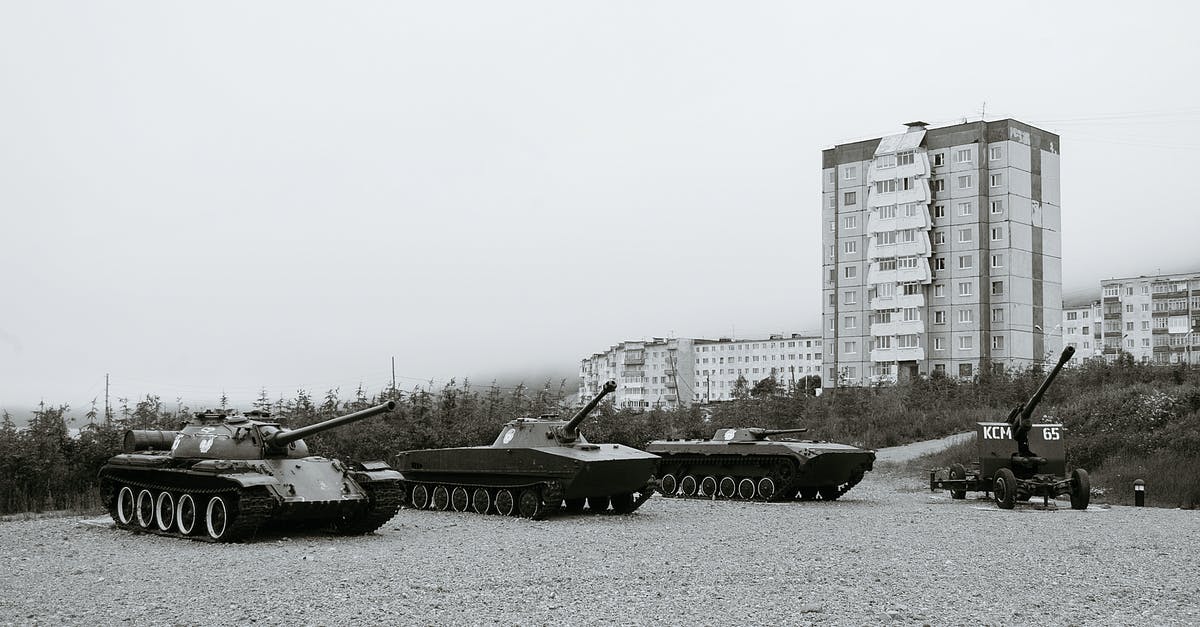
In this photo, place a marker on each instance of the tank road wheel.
(185, 514)
(958, 473)
(623, 503)
(459, 500)
(145, 509)
(529, 505)
(828, 492)
(687, 486)
(1004, 488)
(504, 502)
(574, 506)
(481, 501)
(420, 496)
(708, 487)
(126, 505)
(669, 484)
(597, 503)
(164, 510)
(766, 488)
(727, 488)
(808, 494)
(441, 498)
(217, 518)
(746, 489)
(1081, 489)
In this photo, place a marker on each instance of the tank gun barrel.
(283, 438)
(570, 431)
(762, 433)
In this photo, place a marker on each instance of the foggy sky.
(221, 197)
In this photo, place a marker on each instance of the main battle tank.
(535, 466)
(747, 464)
(223, 474)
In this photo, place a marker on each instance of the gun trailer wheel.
(1081, 489)
(958, 473)
(1004, 489)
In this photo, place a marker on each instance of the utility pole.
(393, 374)
(107, 414)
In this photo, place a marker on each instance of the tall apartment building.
(941, 252)
(678, 372)
(1081, 328)
(1154, 319)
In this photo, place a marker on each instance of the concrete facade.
(941, 252)
(1153, 318)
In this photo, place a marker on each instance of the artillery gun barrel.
(1027, 409)
(571, 429)
(283, 438)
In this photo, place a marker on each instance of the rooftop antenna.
(983, 111)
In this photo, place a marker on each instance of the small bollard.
(1139, 493)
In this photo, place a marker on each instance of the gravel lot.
(888, 552)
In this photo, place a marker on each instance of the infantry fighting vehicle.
(746, 464)
(1007, 465)
(223, 474)
(535, 467)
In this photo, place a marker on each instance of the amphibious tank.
(747, 464)
(535, 467)
(223, 474)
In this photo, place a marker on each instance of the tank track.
(781, 470)
(252, 508)
(385, 498)
(546, 499)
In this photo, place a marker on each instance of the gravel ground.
(888, 552)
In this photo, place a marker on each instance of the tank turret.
(753, 433)
(222, 474)
(570, 431)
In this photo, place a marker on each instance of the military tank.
(224, 474)
(536, 467)
(746, 464)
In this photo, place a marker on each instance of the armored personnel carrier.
(535, 467)
(746, 464)
(223, 474)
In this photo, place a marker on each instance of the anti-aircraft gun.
(223, 474)
(1018, 475)
(535, 467)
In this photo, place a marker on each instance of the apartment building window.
(964, 262)
(997, 207)
(939, 185)
(965, 316)
(965, 182)
(850, 247)
(832, 226)
(1145, 325)
(1086, 331)
(832, 303)
(832, 323)
(883, 162)
(939, 317)
(1145, 341)
(997, 314)
(939, 210)
(997, 233)
(997, 261)
(1128, 307)
(964, 236)
(849, 198)
(885, 187)
(964, 370)
(904, 158)
(964, 288)
(909, 209)
(939, 263)
(997, 180)
(1110, 291)
(997, 342)
(908, 341)
(966, 342)
(851, 272)
(963, 155)
(886, 290)
(850, 173)
(939, 237)
(850, 322)
(907, 263)
(1071, 315)
(994, 153)
(850, 297)
(1146, 306)
(883, 341)
(887, 264)
(830, 177)
(939, 158)
(908, 236)
(832, 251)
(912, 289)
(1129, 326)
(939, 291)
(912, 314)
(887, 212)
(938, 345)
(964, 208)
(832, 201)
(1129, 291)
(997, 288)
(851, 348)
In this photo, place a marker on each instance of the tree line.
(1119, 414)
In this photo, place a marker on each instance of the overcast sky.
(225, 196)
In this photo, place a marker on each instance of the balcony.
(631, 360)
